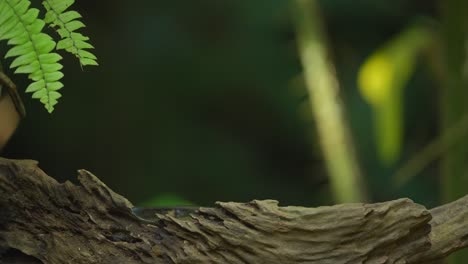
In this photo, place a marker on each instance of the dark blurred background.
(198, 100)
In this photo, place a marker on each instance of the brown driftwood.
(88, 223)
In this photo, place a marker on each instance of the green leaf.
(53, 76)
(86, 61)
(30, 16)
(31, 49)
(382, 79)
(49, 58)
(74, 25)
(24, 59)
(29, 68)
(42, 93)
(69, 16)
(20, 49)
(35, 86)
(7, 26)
(53, 67)
(167, 199)
(36, 26)
(86, 54)
(54, 86)
(66, 23)
(54, 95)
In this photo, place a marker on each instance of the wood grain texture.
(89, 223)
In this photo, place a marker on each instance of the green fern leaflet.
(66, 23)
(33, 51)
(20, 26)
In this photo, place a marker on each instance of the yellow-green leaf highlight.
(381, 81)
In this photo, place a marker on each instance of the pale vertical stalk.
(344, 172)
(454, 103)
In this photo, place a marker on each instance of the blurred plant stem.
(454, 102)
(322, 85)
(433, 151)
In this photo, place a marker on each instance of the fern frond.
(22, 28)
(66, 23)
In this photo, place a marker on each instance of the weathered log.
(89, 223)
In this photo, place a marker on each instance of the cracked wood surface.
(56, 222)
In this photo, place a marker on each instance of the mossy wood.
(44, 221)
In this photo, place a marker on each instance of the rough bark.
(56, 222)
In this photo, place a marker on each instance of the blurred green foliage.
(166, 199)
(194, 99)
(382, 79)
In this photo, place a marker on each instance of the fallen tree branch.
(89, 223)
